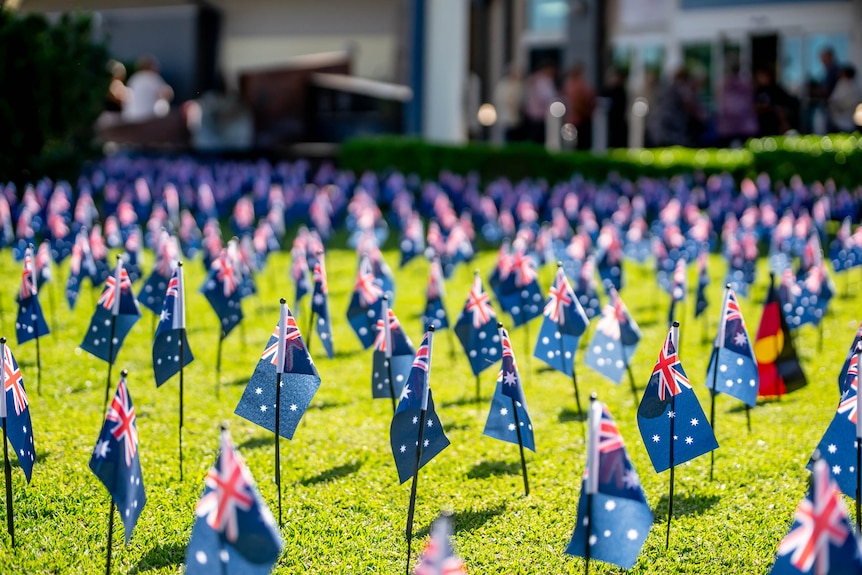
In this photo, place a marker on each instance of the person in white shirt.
(844, 99)
(147, 94)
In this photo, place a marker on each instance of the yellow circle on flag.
(767, 349)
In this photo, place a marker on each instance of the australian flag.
(366, 303)
(588, 293)
(412, 242)
(610, 256)
(30, 322)
(116, 307)
(849, 362)
(562, 327)
(820, 539)
(733, 357)
(320, 305)
(616, 522)
(519, 293)
(477, 329)
(170, 343)
(670, 415)
(116, 461)
(300, 380)
(220, 289)
(132, 254)
(438, 557)
(299, 275)
(81, 265)
(509, 406)
(838, 446)
(390, 345)
(152, 294)
(615, 340)
(416, 401)
(435, 311)
(701, 303)
(234, 532)
(15, 408)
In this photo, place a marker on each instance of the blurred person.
(775, 108)
(831, 71)
(580, 100)
(843, 100)
(541, 93)
(615, 92)
(676, 111)
(509, 102)
(145, 89)
(117, 88)
(737, 120)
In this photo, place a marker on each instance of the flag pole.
(310, 327)
(387, 343)
(858, 440)
(592, 480)
(412, 507)
(628, 371)
(527, 353)
(182, 311)
(7, 468)
(110, 536)
(674, 339)
(35, 325)
(279, 370)
(218, 362)
(115, 310)
(52, 296)
(517, 429)
(719, 341)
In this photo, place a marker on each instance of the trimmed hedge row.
(813, 158)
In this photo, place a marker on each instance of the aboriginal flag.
(777, 362)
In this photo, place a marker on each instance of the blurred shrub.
(54, 80)
(813, 158)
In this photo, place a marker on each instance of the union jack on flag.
(19, 429)
(671, 377)
(116, 459)
(478, 305)
(820, 540)
(109, 294)
(560, 297)
(233, 527)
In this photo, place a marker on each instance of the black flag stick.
(574, 376)
(719, 342)
(387, 344)
(52, 304)
(518, 430)
(279, 369)
(629, 371)
(422, 415)
(7, 469)
(858, 442)
(712, 405)
(675, 339)
(182, 313)
(115, 310)
(110, 537)
(478, 398)
(111, 514)
(310, 327)
(527, 353)
(218, 363)
(592, 480)
(38, 359)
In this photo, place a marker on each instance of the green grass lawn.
(344, 511)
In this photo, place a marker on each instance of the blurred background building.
(319, 71)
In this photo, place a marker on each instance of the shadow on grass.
(486, 469)
(740, 407)
(471, 400)
(160, 557)
(686, 505)
(325, 405)
(469, 520)
(256, 442)
(567, 415)
(40, 457)
(237, 381)
(333, 473)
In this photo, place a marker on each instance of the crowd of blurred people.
(141, 97)
(746, 105)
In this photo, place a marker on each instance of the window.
(548, 15)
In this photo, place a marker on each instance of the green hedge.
(813, 158)
(54, 80)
